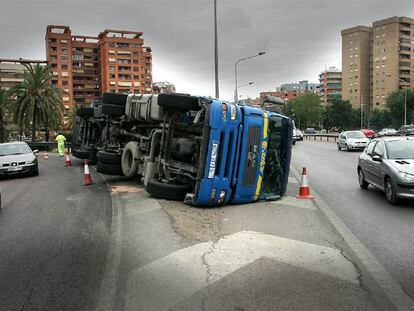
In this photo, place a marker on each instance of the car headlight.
(32, 162)
(406, 176)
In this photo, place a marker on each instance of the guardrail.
(322, 137)
(45, 145)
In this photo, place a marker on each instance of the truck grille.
(251, 160)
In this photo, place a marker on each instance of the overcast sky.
(299, 37)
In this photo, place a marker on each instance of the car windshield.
(355, 135)
(400, 149)
(12, 149)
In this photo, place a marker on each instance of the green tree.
(307, 110)
(395, 104)
(36, 101)
(380, 118)
(4, 105)
(339, 114)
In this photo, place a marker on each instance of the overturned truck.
(204, 151)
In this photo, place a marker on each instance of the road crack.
(360, 276)
(210, 251)
(27, 299)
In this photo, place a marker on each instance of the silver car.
(352, 140)
(17, 158)
(388, 164)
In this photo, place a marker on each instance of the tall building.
(12, 71)
(356, 66)
(377, 60)
(85, 67)
(301, 87)
(330, 81)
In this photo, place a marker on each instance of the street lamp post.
(235, 72)
(216, 79)
(405, 97)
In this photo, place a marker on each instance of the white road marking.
(393, 291)
(294, 202)
(175, 277)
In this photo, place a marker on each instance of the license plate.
(15, 169)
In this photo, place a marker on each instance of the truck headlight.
(224, 111)
(406, 176)
(233, 112)
(212, 196)
(222, 196)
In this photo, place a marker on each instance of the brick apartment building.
(290, 91)
(86, 66)
(377, 60)
(330, 85)
(12, 71)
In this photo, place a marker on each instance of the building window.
(64, 66)
(136, 69)
(64, 82)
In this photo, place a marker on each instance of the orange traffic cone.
(68, 162)
(87, 179)
(304, 190)
(46, 156)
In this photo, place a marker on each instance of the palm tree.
(4, 103)
(36, 100)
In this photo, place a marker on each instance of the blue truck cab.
(245, 155)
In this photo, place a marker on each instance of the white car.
(387, 132)
(297, 136)
(352, 140)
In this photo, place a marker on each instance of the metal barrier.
(45, 145)
(322, 137)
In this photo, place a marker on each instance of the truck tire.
(92, 157)
(178, 102)
(109, 157)
(80, 154)
(85, 112)
(109, 169)
(114, 98)
(129, 162)
(167, 191)
(113, 110)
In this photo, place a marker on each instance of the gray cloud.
(299, 37)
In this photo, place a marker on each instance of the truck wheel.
(92, 157)
(80, 154)
(85, 112)
(178, 101)
(113, 110)
(129, 161)
(109, 157)
(109, 169)
(114, 98)
(167, 191)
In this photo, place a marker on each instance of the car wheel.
(293, 142)
(167, 191)
(347, 148)
(109, 169)
(361, 178)
(35, 172)
(390, 192)
(339, 147)
(109, 157)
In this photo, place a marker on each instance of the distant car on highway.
(352, 140)
(369, 133)
(388, 164)
(310, 130)
(406, 130)
(17, 158)
(387, 132)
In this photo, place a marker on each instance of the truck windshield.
(275, 163)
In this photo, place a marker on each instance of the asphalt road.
(386, 230)
(53, 239)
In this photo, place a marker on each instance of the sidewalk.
(282, 255)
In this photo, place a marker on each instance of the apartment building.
(12, 71)
(377, 60)
(286, 96)
(330, 85)
(85, 66)
(301, 86)
(356, 66)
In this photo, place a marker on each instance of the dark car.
(310, 130)
(17, 158)
(388, 164)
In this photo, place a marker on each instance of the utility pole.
(216, 51)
